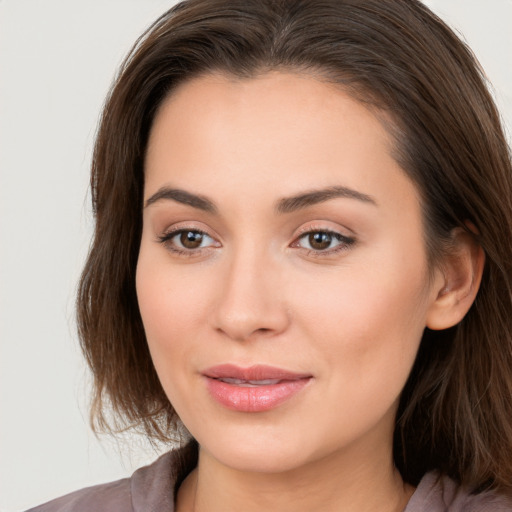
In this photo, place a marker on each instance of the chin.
(258, 450)
(259, 460)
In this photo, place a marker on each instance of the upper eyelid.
(306, 228)
(316, 226)
(175, 230)
(190, 226)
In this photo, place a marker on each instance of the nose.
(251, 301)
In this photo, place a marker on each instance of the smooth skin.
(333, 282)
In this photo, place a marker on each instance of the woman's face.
(282, 276)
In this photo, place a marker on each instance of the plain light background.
(57, 60)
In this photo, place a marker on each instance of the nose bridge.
(250, 300)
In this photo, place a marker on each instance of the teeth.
(250, 383)
(233, 381)
(266, 382)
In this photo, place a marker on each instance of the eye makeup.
(187, 241)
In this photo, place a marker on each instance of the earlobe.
(458, 281)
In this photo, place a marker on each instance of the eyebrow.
(183, 197)
(310, 198)
(284, 205)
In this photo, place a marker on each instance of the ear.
(457, 282)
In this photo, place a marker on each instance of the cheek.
(169, 313)
(368, 322)
(173, 308)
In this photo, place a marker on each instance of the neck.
(338, 482)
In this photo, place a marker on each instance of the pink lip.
(251, 395)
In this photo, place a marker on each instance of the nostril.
(247, 308)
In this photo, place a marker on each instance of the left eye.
(322, 240)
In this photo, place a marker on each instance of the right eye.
(187, 240)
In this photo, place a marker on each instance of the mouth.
(250, 383)
(255, 389)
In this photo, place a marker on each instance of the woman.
(303, 253)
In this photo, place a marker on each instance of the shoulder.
(150, 488)
(437, 493)
(113, 496)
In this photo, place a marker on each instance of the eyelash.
(166, 240)
(344, 242)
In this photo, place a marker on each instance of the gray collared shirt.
(151, 489)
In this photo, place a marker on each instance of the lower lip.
(254, 399)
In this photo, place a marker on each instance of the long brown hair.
(455, 413)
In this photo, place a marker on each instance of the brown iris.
(191, 239)
(319, 240)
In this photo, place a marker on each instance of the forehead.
(285, 132)
(275, 97)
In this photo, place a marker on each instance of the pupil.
(320, 240)
(191, 239)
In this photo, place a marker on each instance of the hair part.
(401, 60)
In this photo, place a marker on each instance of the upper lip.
(252, 373)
